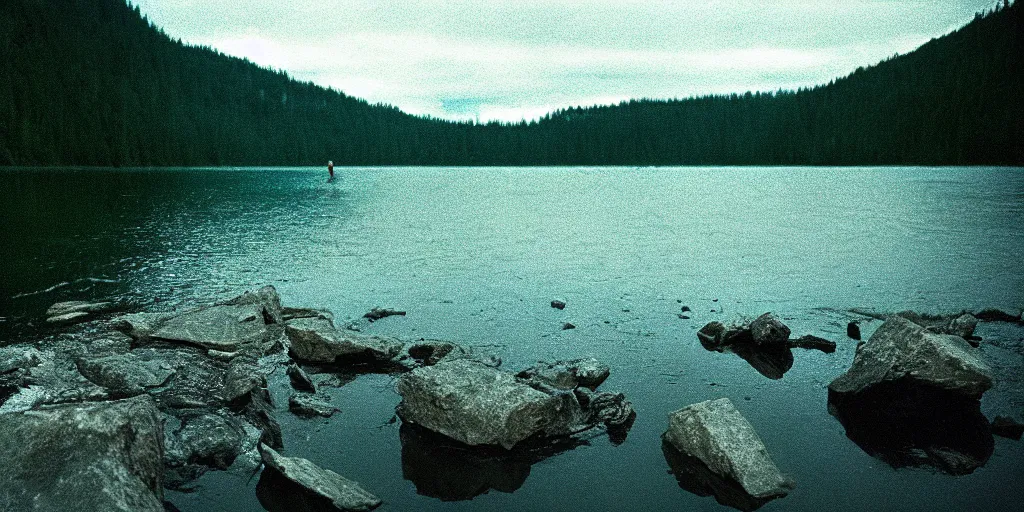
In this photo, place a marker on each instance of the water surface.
(476, 255)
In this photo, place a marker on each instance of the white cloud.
(512, 59)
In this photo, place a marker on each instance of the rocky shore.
(144, 402)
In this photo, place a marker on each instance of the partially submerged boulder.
(567, 375)
(768, 331)
(96, 456)
(719, 436)
(431, 352)
(316, 340)
(901, 349)
(308, 405)
(342, 493)
(479, 405)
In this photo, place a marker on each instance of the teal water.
(476, 255)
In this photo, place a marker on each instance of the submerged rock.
(97, 456)
(901, 350)
(558, 304)
(379, 313)
(431, 352)
(317, 340)
(719, 436)
(308, 405)
(768, 331)
(479, 405)
(342, 493)
(567, 375)
(1007, 427)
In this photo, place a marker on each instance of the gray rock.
(219, 355)
(901, 349)
(97, 456)
(558, 304)
(300, 381)
(18, 357)
(716, 335)
(125, 375)
(77, 306)
(431, 352)
(141, 326)
(308, 405)
(767, 331)
(343, 493)
(289, 314)
(68, 318)
(612, 409)
(567, 375)
(266, 299)
(379, 313)
(317, 340)
(719, 436)
(813, 343)
(963, 326)
(242, 377)
(479, 405)
(216, 328)
(206, 439)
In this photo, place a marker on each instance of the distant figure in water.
(330, 168)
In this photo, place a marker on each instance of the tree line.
(93, 82)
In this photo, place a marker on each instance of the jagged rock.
(344, 494)
(567, 375)
(260, 412)
(558, 304)
(300, 381)
(289, 314)
(767, 331)
(15, 365)
(378, 313)
(901, 349)
(308, 404)
(431, 352)
(205, 439)
(963, 326)
(1007, 427)
(224, 357)
(267, 299)
(125, 375)
(719, 436)
(97, 456)
(612, 409)
(224, 327)
(317, 340)
(242, 377)
(77, 306)
(140, 326)
(813, 343)
(479, 405)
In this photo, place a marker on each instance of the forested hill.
(92, 82)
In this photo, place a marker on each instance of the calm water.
(476, 255)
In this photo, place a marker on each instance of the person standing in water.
(330, 168)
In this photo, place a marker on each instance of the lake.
(476, 256)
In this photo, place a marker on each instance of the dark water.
(476, 255)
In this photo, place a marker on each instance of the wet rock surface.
(696, 477)
(317, 340)
(308, 405)
(104, 456)
(380, 313)
(901, 349)
(341, 492)
(768, 331)
(719, 436)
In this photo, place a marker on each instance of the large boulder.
(267, 299)
(224, 327)
(480, 405)
(901, 349)
(316, 340)
(343, 493)
(97, 456)
(719, 436)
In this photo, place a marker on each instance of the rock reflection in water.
(912, 425)
(279, 494)
(772, 362)
(694, 476)
(451, 471)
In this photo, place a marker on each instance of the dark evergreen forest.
(92, 82)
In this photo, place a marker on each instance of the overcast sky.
(514, 59)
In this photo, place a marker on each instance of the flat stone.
(719, 436)
(216, 328)
(95, 456)
(125, 375)
(901, 349)
(309, 404)
(317, 340)
(767, 330)
(68, 318)
(343, 493)
(479, 405)
(78, 306)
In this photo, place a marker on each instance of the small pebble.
(568, 326)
